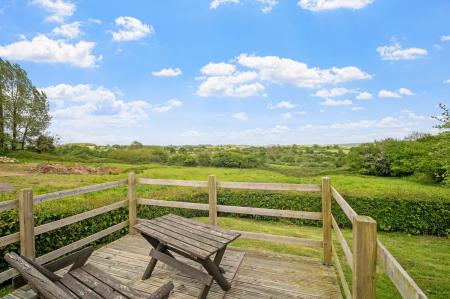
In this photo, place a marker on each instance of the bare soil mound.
(72, 169)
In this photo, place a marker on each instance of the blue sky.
(233, 71)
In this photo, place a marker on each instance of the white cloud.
(384, 93)
(445, 38)
(169, 105)
(406, 92)
(388, 94)
(239, 84)
(240, 115)
(42, 49)
(332, 93)
(131, 29)
(68, 31)
(218, 69)
(412, 115)
(319, 5)
(268, 5)
(396, 52)
(287, 71)
(358, 108)
(286, 116)
(281, 105)
(333, 102)
(191, 134)
(84, 105)
(216, 3)
(447, 81)
(95, 21)
(364, 96)
(59, 9)
(168, 72)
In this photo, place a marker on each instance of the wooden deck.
(252, 274)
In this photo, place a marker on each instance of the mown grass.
(425, 258)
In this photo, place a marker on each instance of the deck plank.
(252, 274)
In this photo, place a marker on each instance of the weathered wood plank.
(173, 204)
(80, 243)
(180, 183)
(7, 205)
(406, 286)
(77, 191)
(346, 208)
(78, 288)
(132, 209)
(76, 218)
(270, 186)
(26, 222)
(212, 196)
(8, 239)
(280, 239)
(345, 248)
(270, 212)
(344, 283)
(326, 220)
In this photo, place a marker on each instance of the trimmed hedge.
(391, 214)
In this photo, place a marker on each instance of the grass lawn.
(425, 258)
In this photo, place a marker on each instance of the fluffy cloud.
(288, 71)
(216, 3)
(445, 38)
(169, 72)
(59, 9)
(281, 105)
(240, 116)
(412, 115)
(218, 69)
(169, 105)
(384, 93)
(364, 96)
(268, 5)
(68, 31)
(239, 84)
(84, 105)
(358, 108)
(42, 49)
(332, 93)
(333, 102)
(131, 29)
(396, 52)
(320, 5)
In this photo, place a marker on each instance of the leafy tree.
(444, 118)
(45, 144)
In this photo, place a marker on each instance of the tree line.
(24, 111)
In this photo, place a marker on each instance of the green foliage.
(429, 155)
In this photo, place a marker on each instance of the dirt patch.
(71, 169)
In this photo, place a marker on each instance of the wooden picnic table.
(193, 240)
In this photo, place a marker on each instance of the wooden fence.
(362, 258)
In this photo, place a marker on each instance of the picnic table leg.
(218, 259)
(151, 265)
(213, 269)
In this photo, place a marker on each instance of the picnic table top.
(197, 239)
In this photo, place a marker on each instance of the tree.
(24, 110)
(45, 144)
(444, 118)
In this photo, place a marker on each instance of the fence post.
(364, 257)
(212, 191)
(26, 222)
(132, 218)
(326, 220)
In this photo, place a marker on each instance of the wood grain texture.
(326, 220)
(270, 186)
(7, 205)
(26, 222)
(345, 248)
(364, 257)
(132, 202)
(280, 239)
(399, 277)
(212, 197)
(346, 208)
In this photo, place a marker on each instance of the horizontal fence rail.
(362, 288)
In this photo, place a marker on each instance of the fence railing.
(361, 258)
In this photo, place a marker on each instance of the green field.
(424, 257)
